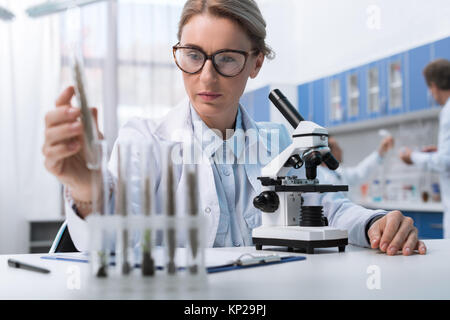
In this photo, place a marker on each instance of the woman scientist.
(221, 45)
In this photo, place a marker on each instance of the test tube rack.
(141, 250)
(106, 231)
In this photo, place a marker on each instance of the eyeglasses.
(227, 62)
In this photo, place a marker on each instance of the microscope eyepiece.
(286, 108)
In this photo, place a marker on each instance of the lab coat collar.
(175, 123)
(233, 146)
(177, 126)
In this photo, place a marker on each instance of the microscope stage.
(306, 238)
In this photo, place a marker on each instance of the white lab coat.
(355, 176)
(440, 162)
(171, 130)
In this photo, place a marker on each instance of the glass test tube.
(194, 249)
(122, 200)
(100, 195)
(147, 243)
(170, 212)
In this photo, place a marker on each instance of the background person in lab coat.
(355, 176)
(437, 76)
(221, 45)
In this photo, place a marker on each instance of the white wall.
(313, 39)
(318, 38)
(29, 69)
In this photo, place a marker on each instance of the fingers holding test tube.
(70, 133)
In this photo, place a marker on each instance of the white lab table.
(327, 274)
(404, 206)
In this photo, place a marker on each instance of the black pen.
(21, 265)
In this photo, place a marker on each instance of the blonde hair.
(245, 12)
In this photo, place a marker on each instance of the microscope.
(286, 221)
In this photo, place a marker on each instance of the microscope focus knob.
(267, 201)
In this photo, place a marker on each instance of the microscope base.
(304, 238)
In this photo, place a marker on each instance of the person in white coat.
(437, 159)
(356, 175)
(221, 45)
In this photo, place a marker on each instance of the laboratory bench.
(428, 217)
(358, 273)
(406, 206)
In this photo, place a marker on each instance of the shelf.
(44, 243)
(403, 206)
(45, 219)
(384, 121)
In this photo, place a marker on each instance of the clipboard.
(254, 262)
(245, 261)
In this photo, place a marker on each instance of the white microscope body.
(285, 221)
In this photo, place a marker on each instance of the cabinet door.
(261, 104)
(429, 224)
(396, 84)
(353, 88)
(442, 49)
(256, 102)
(304, 100)
(318, 111)
(419, 97)
(334, 102)
(375, 101)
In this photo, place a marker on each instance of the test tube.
(170, 209)
(100, 196)
(123, 155)
(194, 243)
(148, 263)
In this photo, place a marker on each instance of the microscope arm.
(276, 167)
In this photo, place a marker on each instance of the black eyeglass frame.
(211, 57)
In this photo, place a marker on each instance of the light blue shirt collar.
(211, 142)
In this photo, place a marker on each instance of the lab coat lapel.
(175, 127)
(253, 170)
(175, 124)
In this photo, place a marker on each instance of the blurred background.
(354, 67)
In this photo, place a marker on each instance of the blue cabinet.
(257, 103)
(418, 95)
(441, 49)
(261, 104)
(305, 100)
(318, 110)
(389, 86)
(429, 224)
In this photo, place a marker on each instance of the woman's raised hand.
(63, 146)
